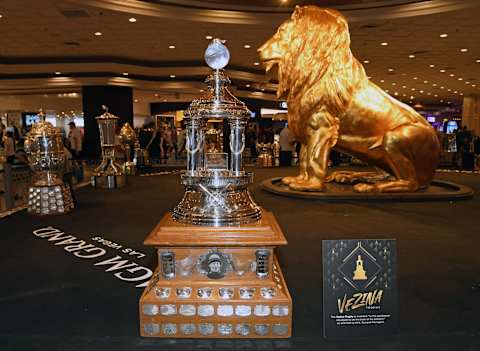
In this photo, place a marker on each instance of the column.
(471, 113)
(120, 103)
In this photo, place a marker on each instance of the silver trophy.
(48, 194)
(216, 189)
(109, 174)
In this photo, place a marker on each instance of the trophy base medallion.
(216, 282)
(46, 200)
(109, 181)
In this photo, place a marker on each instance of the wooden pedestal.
(197, 302)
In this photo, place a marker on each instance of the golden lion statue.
(332, 104)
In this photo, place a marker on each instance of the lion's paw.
(365, 188)
(309, 185)
(340, 177)
(289, 180)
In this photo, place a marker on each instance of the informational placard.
(359, 288)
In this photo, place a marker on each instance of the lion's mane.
(318, 67)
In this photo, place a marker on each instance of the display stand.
(216, 282)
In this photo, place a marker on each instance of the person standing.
(75, 141)
(287, 145)
(9, 145)
(3, 130)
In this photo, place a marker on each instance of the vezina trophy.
(218, 275)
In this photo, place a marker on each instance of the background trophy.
(218, 275)
(109, 174)
(128, 138)
(48, 194)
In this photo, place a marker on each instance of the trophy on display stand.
(218, 275)
(109, 174)
(48, 194)
(128, 138)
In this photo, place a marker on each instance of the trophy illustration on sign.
(218, 275)
(359, 273)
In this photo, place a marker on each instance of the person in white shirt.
(75, 139)
(287, 145)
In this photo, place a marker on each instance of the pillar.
(120, 103)
(471, 113)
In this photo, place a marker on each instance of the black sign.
(359, 288)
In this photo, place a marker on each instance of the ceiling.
(49, 46)
(279, 5)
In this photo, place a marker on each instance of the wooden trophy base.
(216, 282)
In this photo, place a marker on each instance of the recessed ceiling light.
(201, 90)
(171, 46)
(165, 100)
(421, 91)
(442, 87)
(395, 93)
(390, 70)
(425, 81)
(156, 94)
(247, 85)
(429, 93)
(256, 63)
(441, 100)
(444, 35)
(208, 37)
(460, 94)
(387, 91)
(384, 43)
(246, 46)
(411, 56)
(449, 89)
(136, 100)
(474, 85)
(382, 81)
(394, 83)
(452, 75)
(431, 66)
(460, 78)
(132, 19)
(1, 15)
(263, 89)
(97, 34)
(57, 73)
(436, 95)
(172, 76)
(415, 78)
(404, 86)
(464, 50)
(467, 82)
(442, 71)
(413, 89)
(366, 61)
(125, 73)
(368, 77)
(478, 61)
(434, 84)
